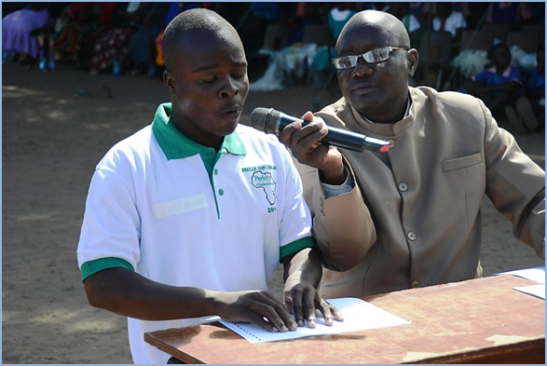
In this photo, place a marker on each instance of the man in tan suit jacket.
(410, 217)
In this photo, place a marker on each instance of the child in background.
(498, 85)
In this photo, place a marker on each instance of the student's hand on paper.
(253, 307)
(303, 300)
(302, 273)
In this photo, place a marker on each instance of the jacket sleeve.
(515, 185)
(342, 224)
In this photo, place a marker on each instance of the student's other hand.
(303, 299)
(257, 307)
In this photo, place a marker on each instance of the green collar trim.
(176, 145)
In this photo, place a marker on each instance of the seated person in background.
(499, 84)
(338, 17)
(410, 217)
(17, 28)
(531, 106)
(412, 25)
(114, 43)
(189, 217)
(516, 14)
(142, 50)
(451, 21)
(77, 29)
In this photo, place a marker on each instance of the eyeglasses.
(372, 57)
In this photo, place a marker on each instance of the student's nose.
(229, 88)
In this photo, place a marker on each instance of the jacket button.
(403, 187)
(411, 236)
(415, 284)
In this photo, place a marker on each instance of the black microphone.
(271, 121)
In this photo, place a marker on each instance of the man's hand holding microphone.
(313, 143)
(306, 146)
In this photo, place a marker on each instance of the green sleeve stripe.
(94, 266)
(297, 246)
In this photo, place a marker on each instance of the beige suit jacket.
(414, 216)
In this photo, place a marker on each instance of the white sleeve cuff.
(337, 190)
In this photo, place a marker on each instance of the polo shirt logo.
(263, 179)
(265, 182)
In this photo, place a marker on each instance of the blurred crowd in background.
(293, 42)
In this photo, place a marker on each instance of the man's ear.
(413, 58)
(169, 81)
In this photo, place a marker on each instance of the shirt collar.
(505, 73)
(176, 145)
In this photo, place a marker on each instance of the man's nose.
(362, 68)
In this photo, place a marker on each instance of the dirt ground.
(53, 137)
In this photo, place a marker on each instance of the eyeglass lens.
(373, 56)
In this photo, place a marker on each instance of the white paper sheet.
(534, 290)
(358, 315)
(535, 274)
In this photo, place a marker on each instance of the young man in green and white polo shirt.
(189, 217)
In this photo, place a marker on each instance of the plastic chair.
(435, 49)
(526, 41)
(500, 30)
(477, 40)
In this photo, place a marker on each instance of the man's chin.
(363, 107)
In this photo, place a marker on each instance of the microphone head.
(265, 119)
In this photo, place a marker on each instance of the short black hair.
(189, 20)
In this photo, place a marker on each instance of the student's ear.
(412, 58)
(169, 81)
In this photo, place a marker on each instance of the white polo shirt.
(181, 214)
(454, 21)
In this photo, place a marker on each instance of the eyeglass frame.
(389, 48)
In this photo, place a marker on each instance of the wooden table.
(476, 321)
